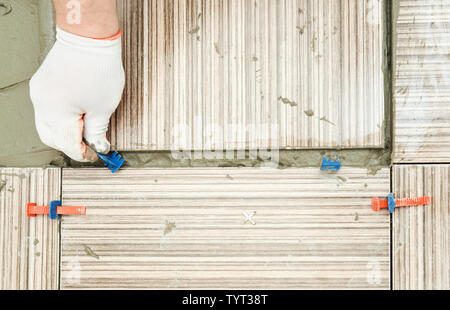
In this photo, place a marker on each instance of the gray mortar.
(371, 159)
(26, 36)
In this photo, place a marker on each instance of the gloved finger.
(68, 138)
(95, 128)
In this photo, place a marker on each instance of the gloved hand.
(74, 93)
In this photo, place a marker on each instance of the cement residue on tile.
(287, 101)
(169, 227)
(90, 252)
(309, 113)
(2, 185)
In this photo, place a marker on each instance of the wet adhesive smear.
(5, 8)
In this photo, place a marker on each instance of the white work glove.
(74, 93)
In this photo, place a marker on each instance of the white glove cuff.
(76, 41)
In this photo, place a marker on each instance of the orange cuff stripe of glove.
(111, 38)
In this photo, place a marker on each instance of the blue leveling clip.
(53, 210)
(391, 203)
(114, 162)
(330, 165)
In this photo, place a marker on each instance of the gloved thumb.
(95, 128)
(66, 136)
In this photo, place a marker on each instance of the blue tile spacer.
(53, 211)
(114, 162)
(330, 165)
(391, 203)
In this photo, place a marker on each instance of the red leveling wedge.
(55, 210)
(391, 203)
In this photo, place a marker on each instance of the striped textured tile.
(29, 257)
(422, 82)
(225, 229)
(233, 74)
(421, 238)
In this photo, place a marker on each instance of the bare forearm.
(88, 18)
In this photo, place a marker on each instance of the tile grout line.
(390, 62)
(421, 164)
(60, 233)
(391, 254)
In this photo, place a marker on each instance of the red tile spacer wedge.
(378, 204)
(33, 210)
(412, 202)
